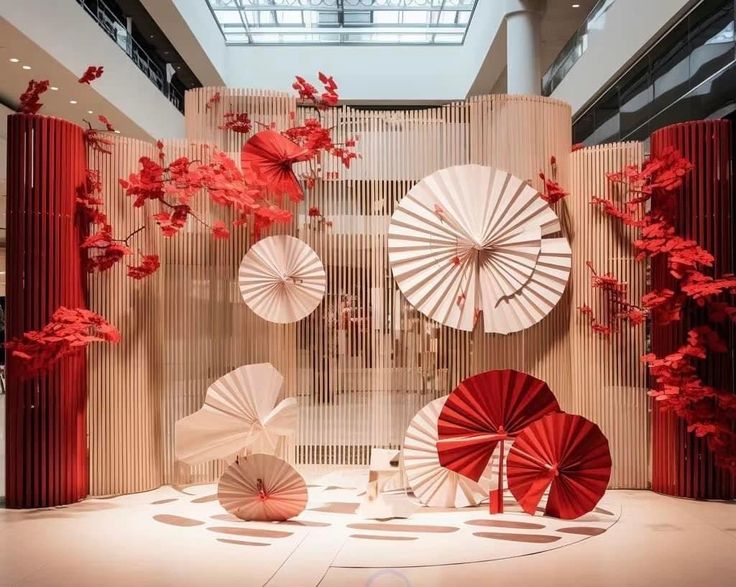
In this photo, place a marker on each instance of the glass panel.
(379, 21)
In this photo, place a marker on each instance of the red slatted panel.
(45, 417)
(682, 464)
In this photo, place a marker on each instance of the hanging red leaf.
(108, 126)
(220, 231)
(149, 265)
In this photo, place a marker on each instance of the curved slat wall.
(609, 380)
(364, 362)
(682, 464)
(46, 445)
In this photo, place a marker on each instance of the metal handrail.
(573, 49)
(119, 33)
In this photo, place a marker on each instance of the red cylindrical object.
(682, 464)
(46, 451)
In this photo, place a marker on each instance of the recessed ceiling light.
(117, 131)
(26, 67)
(72, 101)
(89, 112)
(54, 88)
(576, 5)
(13, 60)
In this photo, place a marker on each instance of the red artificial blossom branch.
(708, 412)
(68, 332)
(92, 73)
(315, 213)
(29, 100)
(553, 191)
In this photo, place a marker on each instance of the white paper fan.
(433, 484)
(262, 487)
(239, 412)
(470, 239)
(282, 279)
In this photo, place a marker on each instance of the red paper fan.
(566, 453)
(262, 487)
(266, 160)
(483, 411)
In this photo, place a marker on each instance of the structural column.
(46, 457)
(523, 46)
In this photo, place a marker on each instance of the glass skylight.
(343, 22)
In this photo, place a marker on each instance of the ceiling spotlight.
(13, 60)
(72, 101)
(54, 88)
(26, 67)
(89, 112)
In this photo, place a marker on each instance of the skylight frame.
(241, 30)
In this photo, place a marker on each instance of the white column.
(523, 46)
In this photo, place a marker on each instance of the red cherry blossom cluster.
(308, 93)
(92, 73)
(68, 332)
(553, 191)
(237, 122)
(29, 100)
(709, 412)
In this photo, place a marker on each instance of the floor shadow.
(337, 507)
(254, 532)
(422, 529)
(241, 542)
(582, 530)
(179, 521)
(377, 537)
(528, 538)
(205, 498)
(163, 501)
(303, 523)
(506, 524)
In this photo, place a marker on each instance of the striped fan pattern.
(282, 279)
(262, 488)
(471, 240)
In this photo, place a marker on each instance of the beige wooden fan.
(262, 487)
(239, 412)
(471, 239)
(282, 279)
(433, 484)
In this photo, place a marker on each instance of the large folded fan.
(483, 411)
(267, 159)
(282, 279)
(433, 484)
(239, 412)
(565, 453)
(262, 487)
(471, 239)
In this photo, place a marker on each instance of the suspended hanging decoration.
(470, 240)
(282, 279)
(566, 454)
(262, 488)
(482, 413)
(267, 159)
(433, 484)
(239, 412)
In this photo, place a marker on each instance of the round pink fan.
(262, 488)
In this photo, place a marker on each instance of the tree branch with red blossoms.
(655, 187)
(68, 332)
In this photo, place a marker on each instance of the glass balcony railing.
(118, 32)
(575, 47)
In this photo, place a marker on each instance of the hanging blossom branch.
(709, 412)
(68, 332)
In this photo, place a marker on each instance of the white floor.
(181, 536)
